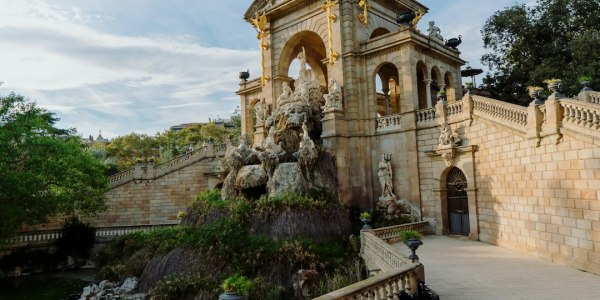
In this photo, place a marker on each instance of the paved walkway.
(459, 269)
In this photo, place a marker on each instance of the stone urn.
(534, 93)
(230, 296)
(586, 86)
(405, 18)
(367, 224)
(413, 244)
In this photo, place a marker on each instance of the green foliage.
(183, 286)
(408, 234)
(237, 284)
(585, 78)
(552, 39)
(130, 148)
(365, 215)
(77, 238)
(45, 170)
(227, 237)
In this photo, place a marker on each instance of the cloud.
(96, 80)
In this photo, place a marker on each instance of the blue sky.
(144, 65)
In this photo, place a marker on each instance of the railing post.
(554, 117)
(210, 150)
(441, 113)
(468, 106)
(534, 123)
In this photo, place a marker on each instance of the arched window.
(379, 32)
(422, 85)
(387, 90)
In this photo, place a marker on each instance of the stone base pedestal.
(259, 135)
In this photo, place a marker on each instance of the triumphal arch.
(387, 101)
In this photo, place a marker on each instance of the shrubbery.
(224, 236)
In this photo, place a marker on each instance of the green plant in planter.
(365, 216)
(585, 78)
(237, 284)
(552, 81)
(408, 234)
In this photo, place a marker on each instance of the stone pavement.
(459, 269)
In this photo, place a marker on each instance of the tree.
(553, 39)
(130, 148)
(45, 170)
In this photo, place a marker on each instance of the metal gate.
(458, 202)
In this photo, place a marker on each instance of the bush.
(183, 286)
(237, 284)
(77, 238)
(408, 234)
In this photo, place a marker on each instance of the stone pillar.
(534, 123)
(210, 150)
(259, 134)
(554, 116)
(428, 92)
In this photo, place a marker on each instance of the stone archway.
(386, 79)
(423, 84)
(314, 47)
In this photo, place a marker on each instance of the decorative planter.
(413, 244)
(586, 86)
(230, 296)
(367, 225)
(534, 93)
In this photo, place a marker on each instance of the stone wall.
(543, 199)
(159, 200)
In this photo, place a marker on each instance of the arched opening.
(379, 32)
(450, 92)
(422, 85)
(387, 90)
(435, 85)
(315, 51)
(457, 202)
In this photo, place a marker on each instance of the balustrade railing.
(426, 115)
(511, 115)
(400, 275)
(389, 122)
(168, 166)
(454, 109)
(124, 176)
(580, 115)
(393, 232)
(45, 236)
(385, 286)
(593, 97)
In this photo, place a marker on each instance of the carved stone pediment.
(450, 154)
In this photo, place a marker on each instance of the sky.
(123, 66)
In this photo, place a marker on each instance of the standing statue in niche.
(385, 176)
(261, 112)
(333, 100)
(435, 31)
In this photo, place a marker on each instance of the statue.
(286, 95)
(385, 176)
(446, 138)
(302, 58)
(307, 153)
(333, 100)
(435, 31)
(261, 111)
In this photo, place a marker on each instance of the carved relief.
(333, 100)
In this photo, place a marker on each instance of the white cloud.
(96, 80)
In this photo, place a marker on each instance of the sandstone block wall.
(543, 201)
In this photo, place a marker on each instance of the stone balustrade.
(454, 109)
(390, 122)
(398, 274)
(392, 233)
(581, 116)
(426, 115)
(511, 115)
(177, 162)
(594, 97)
(121, 177)
(149, 171)
(383, 286)
(48, 236)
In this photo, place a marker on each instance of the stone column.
(428, 92)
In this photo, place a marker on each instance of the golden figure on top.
(364, 16)
(331, 18)
(418, 15)
(260, 23)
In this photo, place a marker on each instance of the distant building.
(99, 139)
(226, 123)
